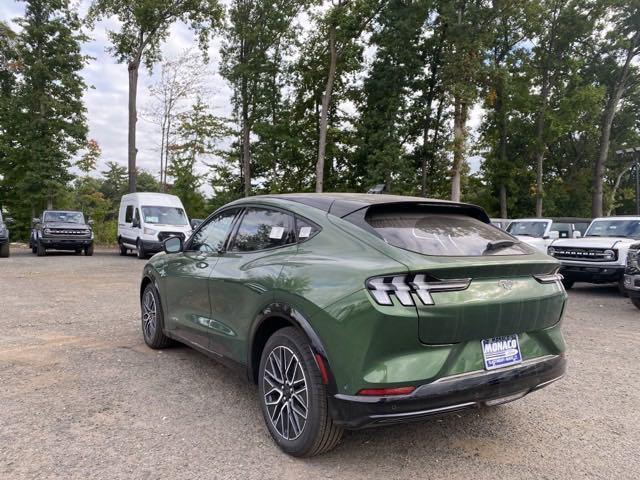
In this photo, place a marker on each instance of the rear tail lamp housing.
(404, 287)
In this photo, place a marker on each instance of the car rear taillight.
(550, 278)
(405, 286)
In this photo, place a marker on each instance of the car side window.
(128, 215)
(305, 229)
(211, 236)
(262, 228)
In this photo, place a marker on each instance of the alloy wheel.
(149, 314)
(285, 392)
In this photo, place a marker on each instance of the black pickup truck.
(4, 237)
(61, 230)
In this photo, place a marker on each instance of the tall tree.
(144, 25)
(346, 20)
(89, 159)
(47, 116)
(621, 49)
(255, 36)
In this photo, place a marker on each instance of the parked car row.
(4, 236)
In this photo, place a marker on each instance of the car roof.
(158, 199)
(343, 204)
(619, 217)
(62, 211)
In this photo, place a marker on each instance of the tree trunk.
(133, 118)
(614, 190)
(326, 102)
(540, 143)
(246, 149)
(605, 129)
(459, 137)
(503, 201)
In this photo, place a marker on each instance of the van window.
(128, 215)
(164, 215)
(446, 234)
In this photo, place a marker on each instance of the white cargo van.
(147, 219)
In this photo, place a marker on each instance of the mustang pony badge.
(506, 284)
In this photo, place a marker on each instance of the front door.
(187, 289)
(244, 279)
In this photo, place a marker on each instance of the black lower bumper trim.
(592, 274)
(59, 244)
(448, 394)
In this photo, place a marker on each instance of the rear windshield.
(443, 234)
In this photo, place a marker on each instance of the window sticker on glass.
(305, 232)
(149, 219)
(276, 232)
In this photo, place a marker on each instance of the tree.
(255, 36)
(621, 48)
(345, 21)
(45, 115)
(89, 159)
(144, 25)
(181, 79)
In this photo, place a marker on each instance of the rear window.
(442, 234)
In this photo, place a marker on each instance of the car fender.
(296, 318)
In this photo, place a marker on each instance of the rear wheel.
(40, 250)
(123, 249)
(141, 253)
(293, 397)
(153, 319)
(4, 250)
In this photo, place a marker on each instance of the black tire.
(88, 251)
(636, 302)
(40, 250)
(153, 337)
(142, 255)
(4, 250)
(621, 288)
(318, 434)
(123, 249)
(34, 250)
(568, 284)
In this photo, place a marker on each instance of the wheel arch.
(273, 318)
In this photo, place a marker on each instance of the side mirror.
(554, 235)
(194, 223)
(90, 223)
(172, 245)
(135, 223)
(9, 221)
(577, 234)
(35, 221)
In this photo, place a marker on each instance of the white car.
(541, 232)
(601, 255)
(147, 219)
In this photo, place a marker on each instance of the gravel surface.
(81, 396)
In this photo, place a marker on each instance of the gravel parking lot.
(81, 396)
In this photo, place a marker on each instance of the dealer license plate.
(501, 352)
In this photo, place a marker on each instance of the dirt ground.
(82, 397)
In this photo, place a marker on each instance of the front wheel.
(4, 250)
(293, 398)
(153, 319)
(568, 284)
(88, 251)
(636, 302)
(40, 250)
(142, 255)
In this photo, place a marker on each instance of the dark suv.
(61, 230)
(4, 237)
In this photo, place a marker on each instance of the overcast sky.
(106, 99)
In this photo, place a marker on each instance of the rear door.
(187, 279)
(502, 297)
(244, 279)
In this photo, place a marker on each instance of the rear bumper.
(592, 273)
(65, 243)
(448, 394)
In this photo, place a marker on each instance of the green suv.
(353, 310)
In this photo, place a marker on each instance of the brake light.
(404, 286)
(386, 392)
